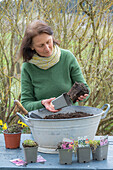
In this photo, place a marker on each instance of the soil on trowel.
(77, 90)
(68, 115)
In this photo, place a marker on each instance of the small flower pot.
(30, 154)
(83, 154)
(62, 101)
(65, 156)
(100, 153)
(12, 140)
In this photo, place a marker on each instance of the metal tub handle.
(105, 111)
(24, 119)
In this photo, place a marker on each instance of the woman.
(47, 70)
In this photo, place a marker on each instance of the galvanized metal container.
(49, 132)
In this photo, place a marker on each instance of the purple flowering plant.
(65, 145)
(95, 143)
(103, 140)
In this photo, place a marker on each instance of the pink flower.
(67, 145)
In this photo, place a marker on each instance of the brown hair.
(33, 29)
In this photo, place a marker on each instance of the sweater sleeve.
(27, 93)
(76, 73)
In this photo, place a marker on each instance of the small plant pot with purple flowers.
(65, 156)
(100, 153)
(99, 148)
(65, 152)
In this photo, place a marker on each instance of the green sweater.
(38, 84)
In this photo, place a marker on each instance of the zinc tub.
(49, 132)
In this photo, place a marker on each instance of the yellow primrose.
(19, 122)
(23, 124)
(1, 122)
(4, 126)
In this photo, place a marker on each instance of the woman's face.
(43, 44)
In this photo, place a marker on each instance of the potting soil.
(68, 115)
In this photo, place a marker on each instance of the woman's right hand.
(48, 104)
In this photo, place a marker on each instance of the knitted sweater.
(38, 84)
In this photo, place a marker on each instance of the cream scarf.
(47, 62)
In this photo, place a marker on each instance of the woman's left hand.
(82, 97)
